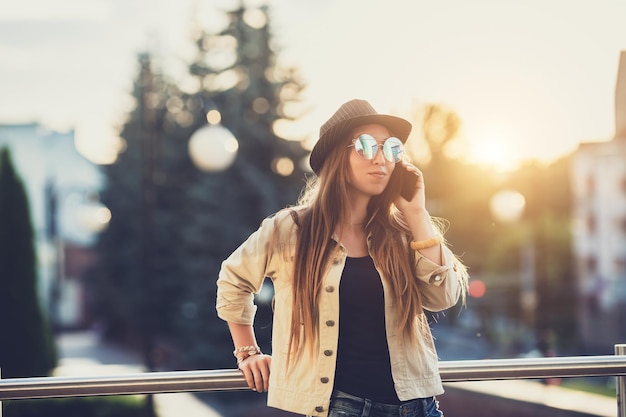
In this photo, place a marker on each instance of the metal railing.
(227, 380)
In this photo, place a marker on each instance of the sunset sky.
(529, 79)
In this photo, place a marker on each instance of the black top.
(363, 365)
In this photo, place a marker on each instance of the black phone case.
(409, 179)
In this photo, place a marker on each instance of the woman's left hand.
(418, 202)
(417, 217)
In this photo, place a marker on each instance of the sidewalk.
(524, 396)
(81, 353)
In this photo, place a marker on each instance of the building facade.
(62, 188)
(598, 177)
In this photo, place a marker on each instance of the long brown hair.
(324, 205)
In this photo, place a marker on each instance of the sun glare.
(494, 152)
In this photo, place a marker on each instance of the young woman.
(353, 267)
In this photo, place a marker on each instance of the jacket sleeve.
(441, 284)
(242, 274)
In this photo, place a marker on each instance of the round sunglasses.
(367, 147)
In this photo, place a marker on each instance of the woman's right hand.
(256, 369)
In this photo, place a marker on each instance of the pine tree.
(169, 234)
(230, 205)
(136, 249)
(27, 347)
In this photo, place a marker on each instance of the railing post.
(621, 385)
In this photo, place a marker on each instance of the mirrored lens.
(393, 150)
(366, 146)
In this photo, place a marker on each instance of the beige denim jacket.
(307, 387)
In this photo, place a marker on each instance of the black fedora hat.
(350, 115)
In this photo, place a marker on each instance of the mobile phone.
(407, 184)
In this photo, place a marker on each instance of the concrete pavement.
(82, 354)
(523, 398)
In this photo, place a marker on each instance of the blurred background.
(141, 142)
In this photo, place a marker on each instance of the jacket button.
(330, 323)
(336, 261)
(319, 409)
(328, 352)
(330, 288)
(324, 380)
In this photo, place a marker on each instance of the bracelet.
(423, 244)
(244, 352)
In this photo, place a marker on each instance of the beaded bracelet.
(244, 352)
(423, 244)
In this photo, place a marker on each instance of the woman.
(353, 267)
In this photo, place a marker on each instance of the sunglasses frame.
(376, 146)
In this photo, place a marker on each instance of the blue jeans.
(346, 405)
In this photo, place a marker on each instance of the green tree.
(225, 208)
(457, 192)
(27, 347)
(548, 194)
(496, 249)
(138, 279)
(440, 126)
(460, 193)
(172, 224)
